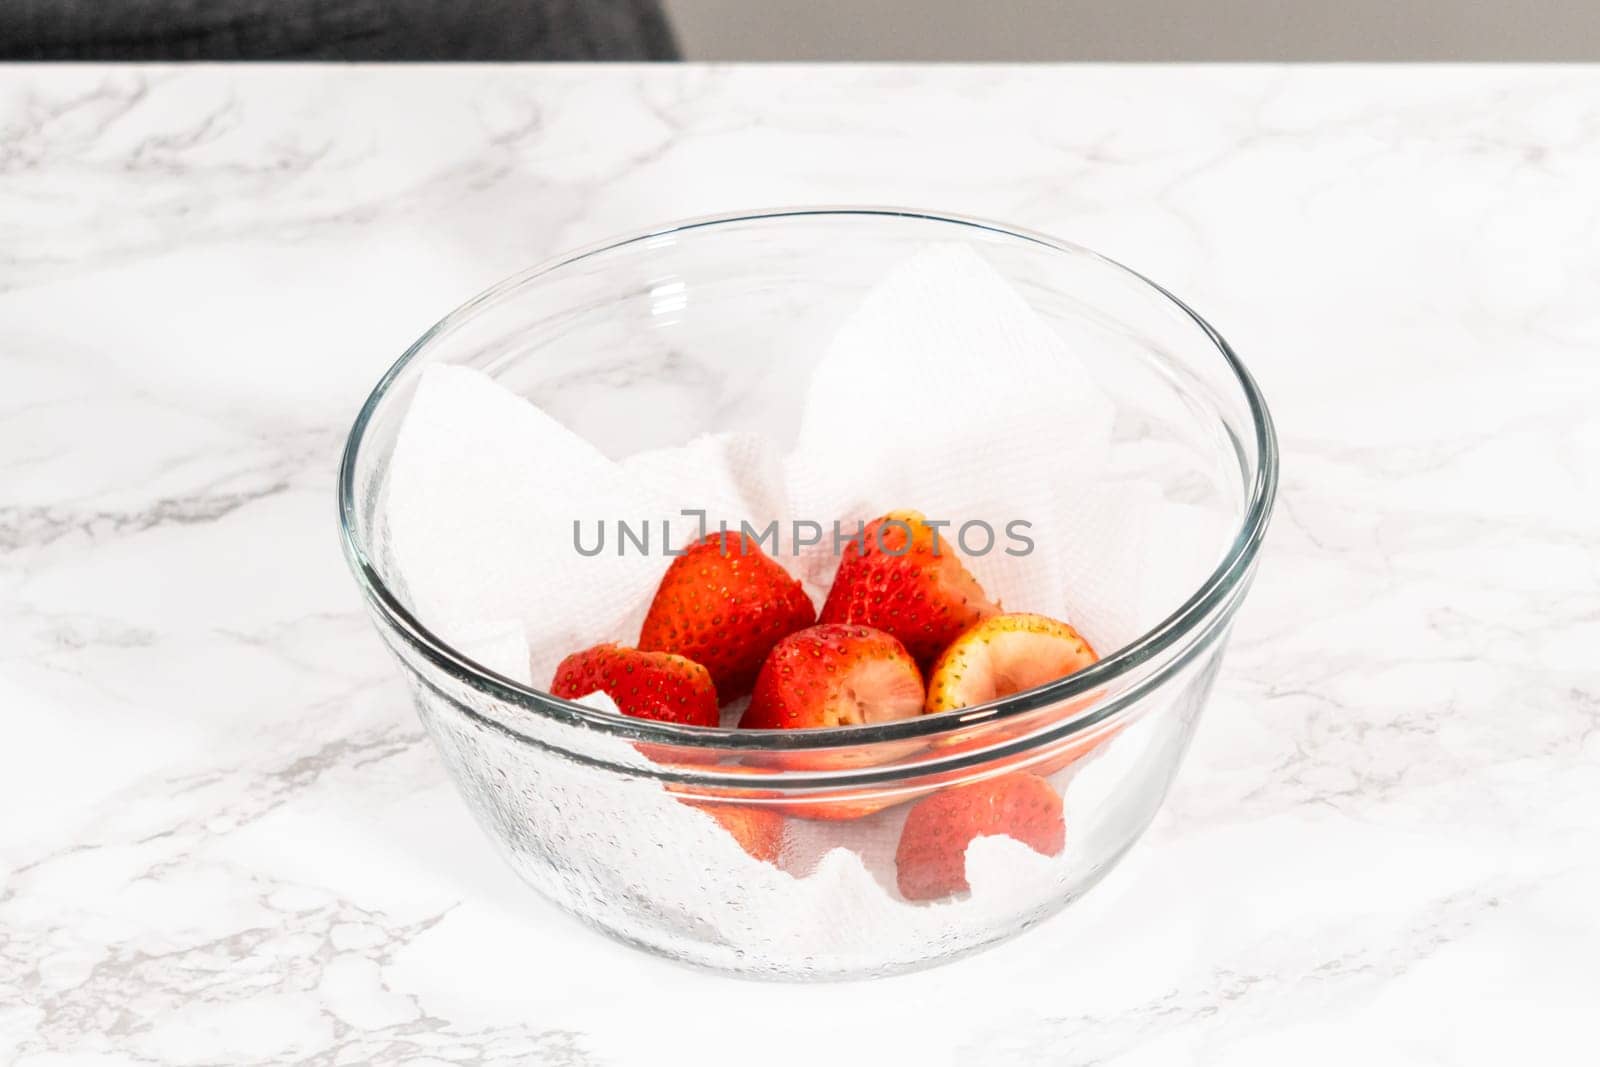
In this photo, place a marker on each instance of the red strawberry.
(1043, 759)
(931, 861)
(759, 831)
(907, 587)
(724, 604)
(831, 805)
(646, 685)
(834, 676)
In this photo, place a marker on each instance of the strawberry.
(759, 831)
(834, 676)
(907, 586)
(1002, 655)
(646, 685)
(842, 805)
(931, 860)
(829, 806)
(1043, 759)
(724, 603)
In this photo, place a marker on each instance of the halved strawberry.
(912, 587)
(834, 676)
(1043, 759)
(1002, 655)
(646, 685)
(724, 603)
(931, 860)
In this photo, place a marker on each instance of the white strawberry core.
(1015, 661)
(879, 692)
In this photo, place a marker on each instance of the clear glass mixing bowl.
(620, 820)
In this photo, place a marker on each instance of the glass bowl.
(772, 853)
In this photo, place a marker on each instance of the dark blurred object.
(363, 30)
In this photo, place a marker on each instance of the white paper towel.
(946, 393)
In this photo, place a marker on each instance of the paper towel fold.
(945, 392)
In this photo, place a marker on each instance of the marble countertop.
(225, 839)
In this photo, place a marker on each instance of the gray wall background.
(1137, 29)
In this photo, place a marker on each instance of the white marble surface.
(225, 839)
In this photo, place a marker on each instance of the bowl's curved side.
(757, 851)
(644, 864)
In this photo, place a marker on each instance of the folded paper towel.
(944, 392)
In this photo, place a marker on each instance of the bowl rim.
(1218, 589)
